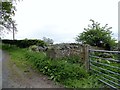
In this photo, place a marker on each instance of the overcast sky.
(62, 20)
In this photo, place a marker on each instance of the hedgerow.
(24, 43)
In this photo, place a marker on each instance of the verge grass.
(69, 74)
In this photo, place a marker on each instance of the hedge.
(24, 43)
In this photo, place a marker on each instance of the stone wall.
(65, 50)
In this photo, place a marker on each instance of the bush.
(24, 43)
(74, 59)
(58, 70)
(33, 48)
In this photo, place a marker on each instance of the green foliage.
(24, 43)
(95, 35)
(33, 48)
(75, 59)
(9, 47)
(90, 82)
(7, 11)
(67, 73)
(58, 70)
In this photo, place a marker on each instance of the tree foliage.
(24, 43)
(7, 11)
(95, 35)
(48, 40)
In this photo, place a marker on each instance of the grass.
(69, 74)
(90, 82)
(17, 56)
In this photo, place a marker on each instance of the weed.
(62, 71)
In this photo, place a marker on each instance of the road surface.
(13, 77)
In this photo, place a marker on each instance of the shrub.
(33, 48)
(24, 43)
(58, 70)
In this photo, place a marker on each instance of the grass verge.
(68, 74)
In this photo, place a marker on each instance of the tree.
(7, 11)
(48, 40)
(95, 35)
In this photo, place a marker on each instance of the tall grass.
(69, 74)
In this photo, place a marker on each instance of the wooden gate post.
(86, 57)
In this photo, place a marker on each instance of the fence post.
(86, 57)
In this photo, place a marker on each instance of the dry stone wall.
(65, 50)
(68, 49)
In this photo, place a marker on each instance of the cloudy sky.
(62, 20)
